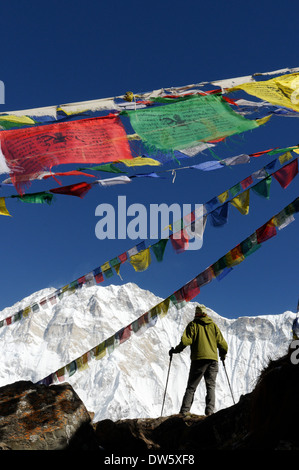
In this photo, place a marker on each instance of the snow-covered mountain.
(130, 382)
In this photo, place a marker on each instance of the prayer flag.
(159, 248)
(184, 123)
(3, 210)
(234, 256)
(77, 189)
(281, 91)
(241, 202)
(141, 260)
(286, 174)
(249, 245)
(223, 273)
(263, 187)
(71, 368)
(113, 181)
(191, 290)
(283, 219)
(99, 351)
(179, 241)
(235, 189)
(219, 216)
(10, 121)
(28, 152)
(109, 167)
(223, 197)
(36, 198)
(98, 275)
(246, 182)
(285, 157)
(140, 161)
(265, 232)
(205, 277)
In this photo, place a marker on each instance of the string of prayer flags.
(180, 241)
(184, 123)
(179, 298)
(28, 152)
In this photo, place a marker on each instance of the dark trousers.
(208, 369)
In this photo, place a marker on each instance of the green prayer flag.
(184, 123)
(263, 187)
(109, 167)
(159, 248)
(249, 245)
(235, 189)
(36, 198)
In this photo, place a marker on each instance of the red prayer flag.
(285, 175)
(246, 182)
(123, 257)
(179, 242)
(77, 189)
(30, 151)
(268, 230)
(191, 290)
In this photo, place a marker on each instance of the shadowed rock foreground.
(37, 417)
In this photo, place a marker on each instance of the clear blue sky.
(67, 51)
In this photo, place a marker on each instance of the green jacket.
(204, 337)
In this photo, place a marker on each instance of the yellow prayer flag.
(82, 362)
(15, 120)
(263, 120)
(3, 210)
(241, 202)
(164, 307)
(280, 91)
(26, 311)
(99, 351)
(140, 161)
(285, 157)
(234, 256)
(105, 266)
(141, 260)
(223, 197)
(296, 150)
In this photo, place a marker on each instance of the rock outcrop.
(37, 417)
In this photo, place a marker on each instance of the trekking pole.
(166, 383)
(228, 381)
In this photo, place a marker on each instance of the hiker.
(204, 337)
